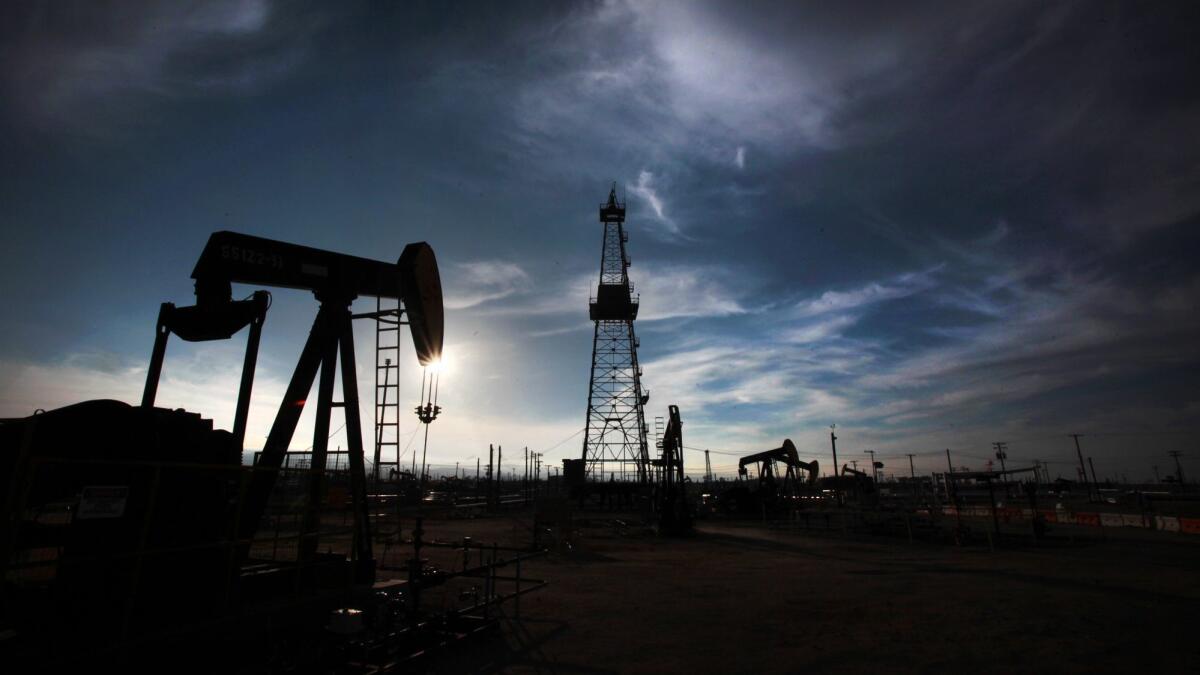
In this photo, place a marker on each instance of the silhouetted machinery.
(853, 485)
(118, 518)
(778, 483)
(674, 509)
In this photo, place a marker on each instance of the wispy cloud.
(667, 291)
(679, 291)
(868, 294)
(474, 283)
(820, 330)
(811, 367)
(647, 189)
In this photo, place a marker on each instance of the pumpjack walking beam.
(336, 280)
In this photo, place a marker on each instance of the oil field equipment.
(853, 486)
(674, 509)
(132, 531)
(778, 482)
(614, 443)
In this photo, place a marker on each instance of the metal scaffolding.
(614, 447)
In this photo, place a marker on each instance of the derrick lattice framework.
(614, 446)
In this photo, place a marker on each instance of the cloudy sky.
(939, 227)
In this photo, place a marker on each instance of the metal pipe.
(242, 413)
(161, 333)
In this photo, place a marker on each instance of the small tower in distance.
(614, 445)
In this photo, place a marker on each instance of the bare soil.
(736, 597)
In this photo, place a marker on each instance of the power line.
(564, 440)
(335, 433)
(412, 435)
(715, 452)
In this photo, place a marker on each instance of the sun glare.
(439, 366)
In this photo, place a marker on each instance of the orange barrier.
(1049, 516)
(1189, 525)
(1087, 519)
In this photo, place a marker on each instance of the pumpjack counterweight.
(614, 445)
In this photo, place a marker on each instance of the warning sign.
(102, 501)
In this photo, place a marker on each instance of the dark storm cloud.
(91, 66)
(1010, 127)
(909, 219)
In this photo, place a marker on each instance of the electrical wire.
(335, 433)
(729, 453)
(564, 440)
(411, 437)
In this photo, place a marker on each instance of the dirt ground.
(741, 598)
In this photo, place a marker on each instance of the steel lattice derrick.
(614, 445)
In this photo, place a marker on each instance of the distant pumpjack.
(614, 445)
(767, 470)
(776, 488)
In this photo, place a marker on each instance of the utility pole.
(912, 472)
(1094, 482)
(491, 472)
(1002, 454)
(1156, 480)
(1175, 454)
(874, 474)
(837, 470)
(1082, 468)
(950, 475)
(708, 477)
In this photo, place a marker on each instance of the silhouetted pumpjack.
(335, 279)
(788, 456)
(772, 489)
(161, 513)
